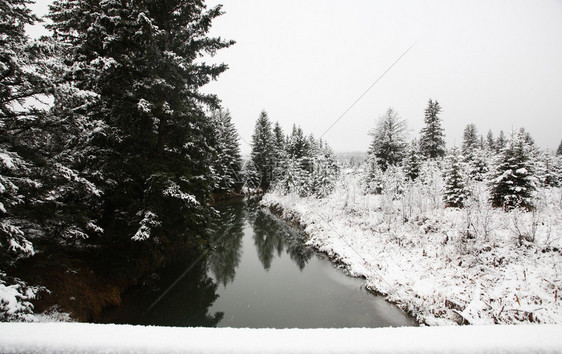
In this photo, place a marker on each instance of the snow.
(174, 191)
(92, 338)
(478, 265)
(144, 231)
(7, 160)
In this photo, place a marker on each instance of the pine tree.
(412, 161)
(298, 146)
(263, 152)
(139, 59)
(490, 141)
(389, 140)
(470, 141)
(280, 147)
(478, 165)
(325, 170)
(549, 169)
(514, 178)
(23, 169)
(500, 142)
(559, 150)
(227, 163)
(432, 140)
(374, 177)
(455, 192)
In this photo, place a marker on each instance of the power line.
(368, 89)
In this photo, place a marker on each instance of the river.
(260, 275)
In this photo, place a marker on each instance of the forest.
(111, 158)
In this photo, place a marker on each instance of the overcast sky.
(497, 64)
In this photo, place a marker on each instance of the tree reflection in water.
(271, 234)
(188, 300)
(227, 234)
(186, 305)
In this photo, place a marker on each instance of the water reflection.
(227, 230)
(250, 280)
(186, 305)
(273, 236)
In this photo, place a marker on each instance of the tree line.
(289, 162)
(512, 166)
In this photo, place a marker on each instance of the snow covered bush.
(15, 296)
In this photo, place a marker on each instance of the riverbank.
(443, 265)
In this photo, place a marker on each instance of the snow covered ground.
(92, 338)
(477, 265)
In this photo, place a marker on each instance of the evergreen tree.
(514, 178)
(139, 59)
(559, 150)
(279, 141)
(470, 141)
(374, 177)
(280, 147)
(478, 165)
(500, 142)
(549, 169)
(455, 191)
(412, 161)
(528, 138)
(490, 141)
(432, 140)
(298, 146)
(227, 163)
(482, 143)
(263, 152)
(16, 85)
(326, 170)
(35, 203)
(389, 140)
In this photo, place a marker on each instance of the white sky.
(497, 64)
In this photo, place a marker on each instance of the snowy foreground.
(91, 338)
(478, 265)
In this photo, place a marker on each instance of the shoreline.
(427, 266)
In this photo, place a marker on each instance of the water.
(259, 275)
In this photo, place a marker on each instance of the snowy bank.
(478, 265)
(91, 338)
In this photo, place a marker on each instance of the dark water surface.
(259, 275)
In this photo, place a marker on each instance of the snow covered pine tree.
(514, 178)
(432, 139)
(140, 60)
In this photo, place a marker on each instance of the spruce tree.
(549, 169)
(140, 60)
(325, 170)
(280, 147)
(25, 166)
(298, 146)
(470, 141)
(412, 161)
(559, 150)
(514, 178)
(432, 139)
(374, 177)
(389, 140)
(478, 165)
(262, 158)
(490, 141)
(455, 191)
(500, 142)
(227, 163)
